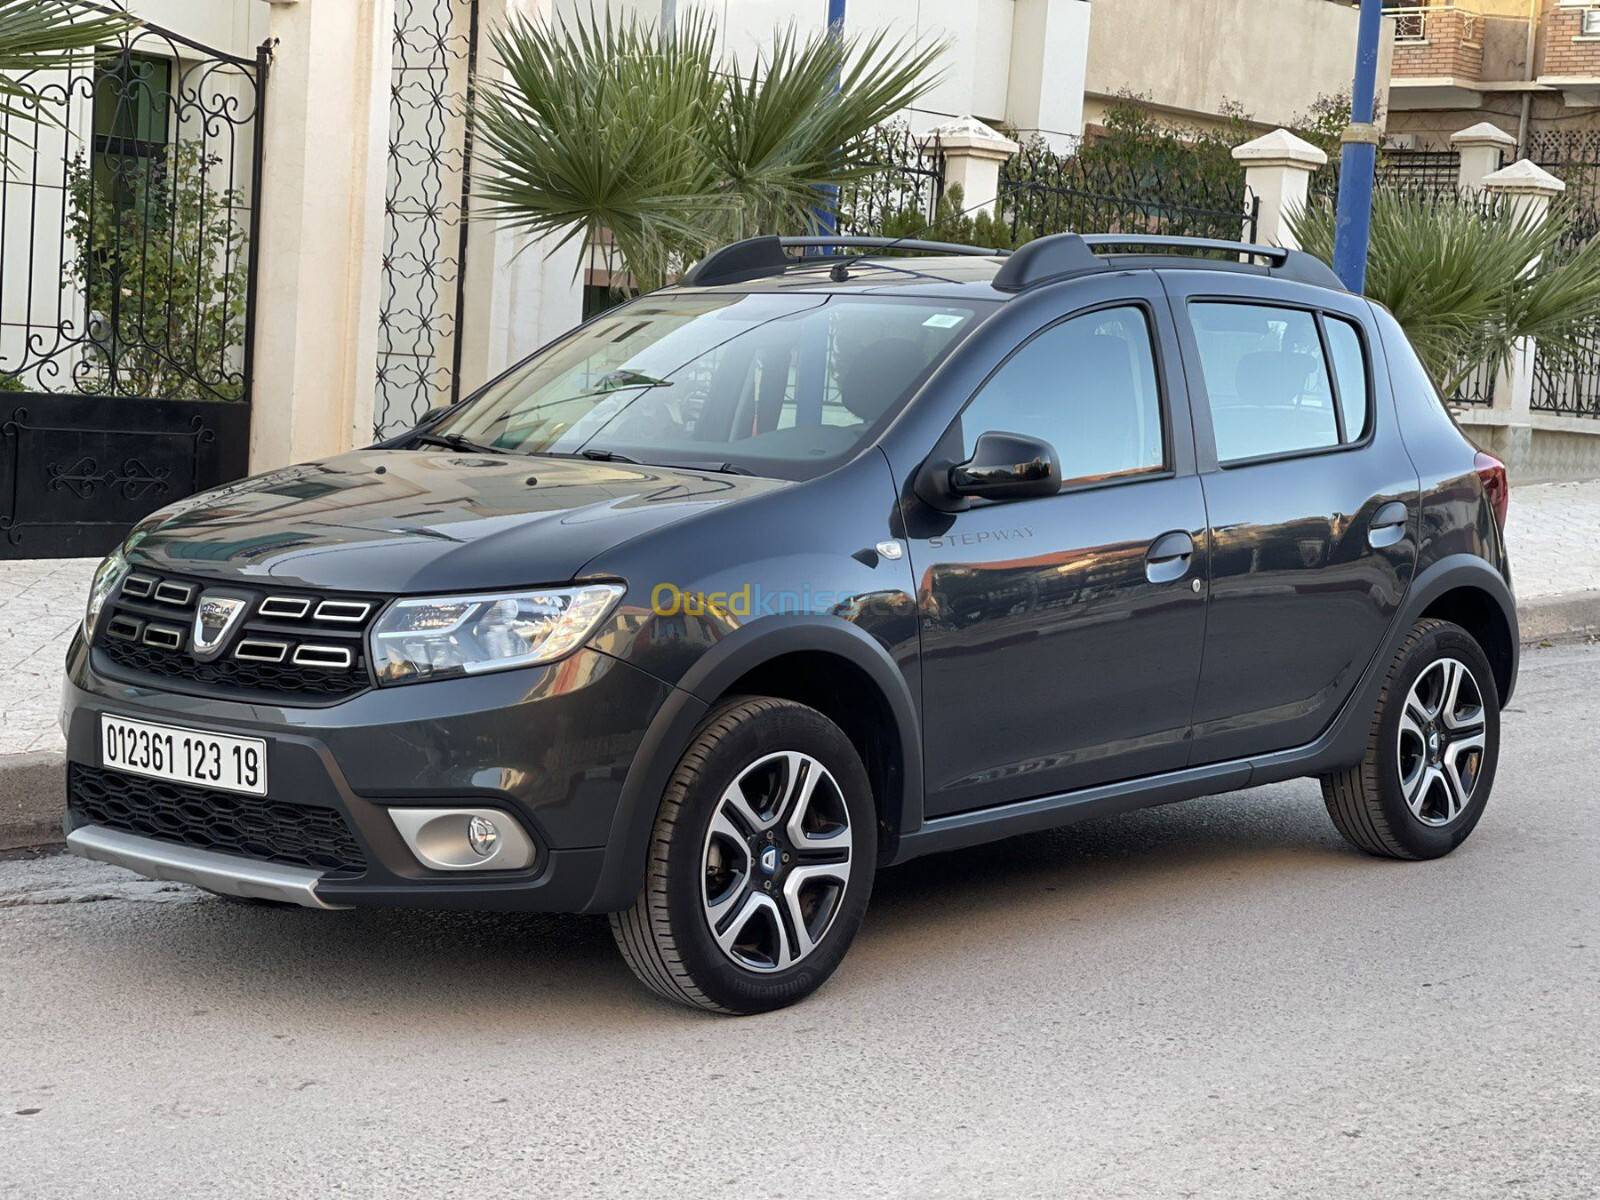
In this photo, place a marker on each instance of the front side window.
(779, 384)
(1267, 380)
(1088, 387)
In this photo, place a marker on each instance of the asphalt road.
(1212, 999)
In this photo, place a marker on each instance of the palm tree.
(1468, 277)
(40, 35)
(604, 126)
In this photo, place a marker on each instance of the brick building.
(1531, 67)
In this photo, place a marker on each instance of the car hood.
(401, 521)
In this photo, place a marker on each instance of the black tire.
(1368, 802)
(667, 937)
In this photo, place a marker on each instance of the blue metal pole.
(1359, 160)
(827, 211)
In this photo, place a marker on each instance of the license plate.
(213, 760)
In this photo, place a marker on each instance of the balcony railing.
(1414, 22)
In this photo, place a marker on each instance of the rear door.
(1311, 499)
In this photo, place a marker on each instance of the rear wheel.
(760, 862)
(1431, 753)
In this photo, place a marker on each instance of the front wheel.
(1431, 753)
(760, 863)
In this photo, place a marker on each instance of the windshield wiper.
(454, 441)
(726, 468)
(609, 456)
(723, 468)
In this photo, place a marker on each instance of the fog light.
(482, 836)
(464, 839)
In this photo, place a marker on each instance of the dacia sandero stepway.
(803, 567)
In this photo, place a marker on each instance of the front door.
(1313, 505)
(1061, 635)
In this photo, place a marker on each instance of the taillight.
(1495, 484)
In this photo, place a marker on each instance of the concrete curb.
(31, 784)
(31, 788)
(1550, 617)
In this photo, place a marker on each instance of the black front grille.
(249, 826)
(289, 643)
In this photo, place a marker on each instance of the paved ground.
(1212, 999)
(41, 603)
(1554, 529)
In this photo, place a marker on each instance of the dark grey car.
(802, 568)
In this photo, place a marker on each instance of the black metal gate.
(128, 237)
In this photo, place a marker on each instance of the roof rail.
(1065, 254)
(1294, 265)
(1042, 260)
(758, 256)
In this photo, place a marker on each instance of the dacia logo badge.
(214, 619)
(769, 860)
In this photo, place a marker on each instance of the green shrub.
(159, 253)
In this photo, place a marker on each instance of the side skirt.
(1068, 808)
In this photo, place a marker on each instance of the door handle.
(1388, 525)
(1168, 557)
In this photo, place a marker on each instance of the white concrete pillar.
(1049, 63)
(1277, 171)
(1530, 190)
(326, 129)
(521, 291)
(973, 155)
(1481, 148)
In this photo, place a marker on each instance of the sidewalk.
(1553, 529)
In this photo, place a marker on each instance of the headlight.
(106, 577)
(441, 637)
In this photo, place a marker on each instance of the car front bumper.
(550, 747)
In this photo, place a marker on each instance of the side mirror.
(432, 415)
(1008, 466)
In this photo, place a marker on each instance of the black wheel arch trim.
(705, 683)
(1464, 571)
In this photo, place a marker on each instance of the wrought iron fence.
(425, 211)
(908, 177)
(1431, 173)
(1477, 389)
(1047, 191)
(1574, 158)
(1424, 174)
(128, 223)
(1570, 389)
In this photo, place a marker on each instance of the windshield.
(783, 385)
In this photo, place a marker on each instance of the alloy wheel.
(1441, 742)
(776, 861)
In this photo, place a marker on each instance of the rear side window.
(1269, 381)
(1350, 373)
(1086, 385)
